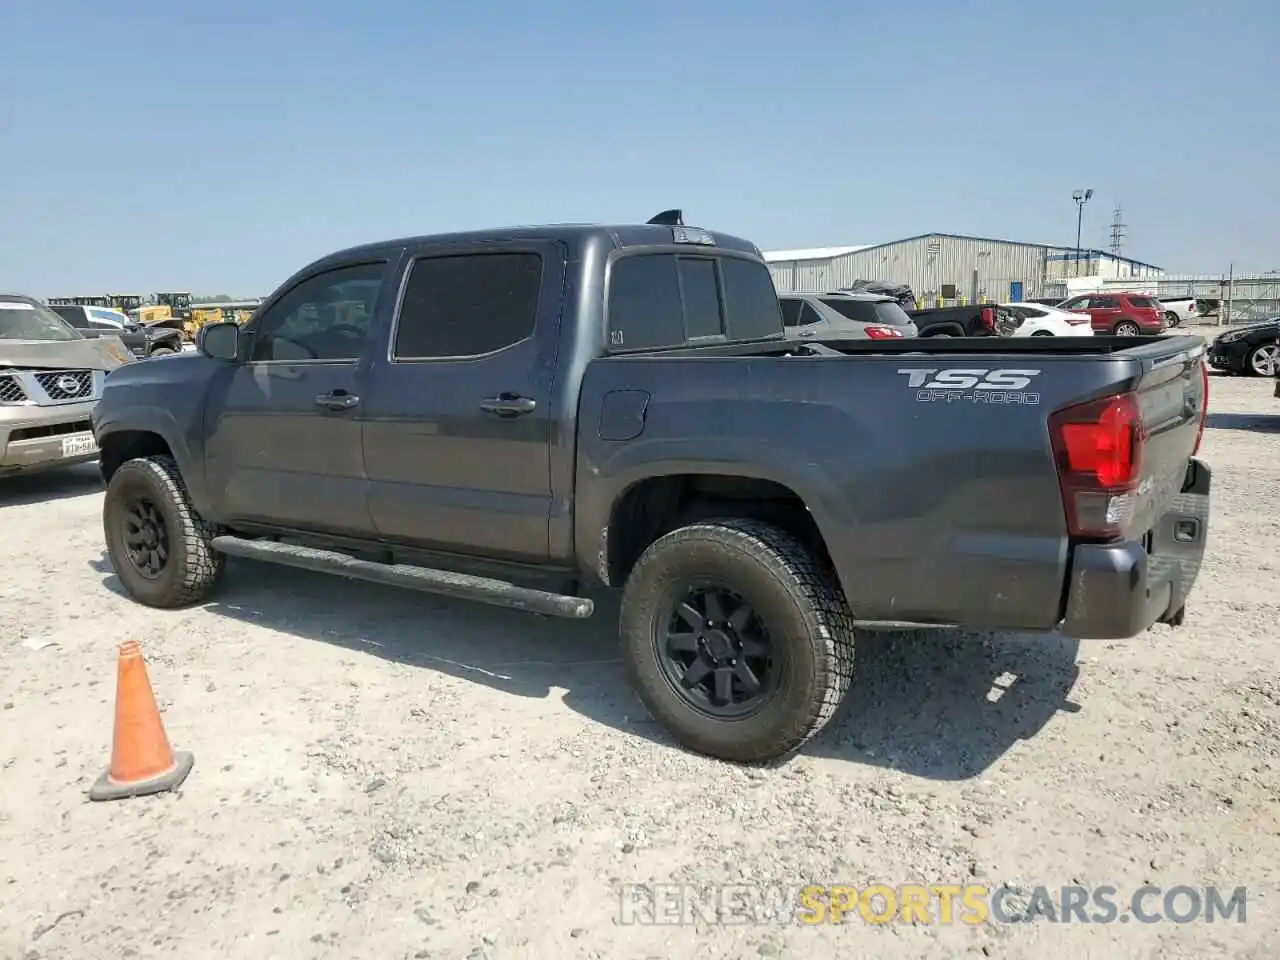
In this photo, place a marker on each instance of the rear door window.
(1104, 303)
(809, 316)
(468, 305)
(790, 311)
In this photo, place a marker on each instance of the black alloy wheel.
(717, 652)
(146, 537)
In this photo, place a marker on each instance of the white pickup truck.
(1185, 309)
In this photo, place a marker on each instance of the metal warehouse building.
(951, 267)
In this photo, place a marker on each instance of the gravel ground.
(386, 775)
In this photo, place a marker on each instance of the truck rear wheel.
(736, 640)
(159, 546)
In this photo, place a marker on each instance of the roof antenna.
(669, 218)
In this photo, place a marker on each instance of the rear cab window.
(668, 300)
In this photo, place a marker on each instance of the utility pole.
(1117, 232)
(1081, 197)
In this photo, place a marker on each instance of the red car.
(1121, 314)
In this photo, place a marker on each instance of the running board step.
(482, 589)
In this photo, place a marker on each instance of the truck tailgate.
(1117, 589)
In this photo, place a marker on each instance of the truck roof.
(573, 234)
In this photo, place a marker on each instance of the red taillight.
(989, 318)
(1204, 406)
(882, 333)
(1098, 449)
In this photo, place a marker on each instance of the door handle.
(338, 400)
(508, 405)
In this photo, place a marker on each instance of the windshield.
(33, 321)
(886, 312)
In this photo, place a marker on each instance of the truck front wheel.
(159, 546)
(736, 639)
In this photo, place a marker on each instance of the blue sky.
(218, 147)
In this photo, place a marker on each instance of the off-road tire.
(800, 601)
(194, 566)
(1043, 333)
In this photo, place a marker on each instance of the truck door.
(283, 427)
(457, 430)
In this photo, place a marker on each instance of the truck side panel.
(938, 502)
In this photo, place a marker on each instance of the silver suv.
(50, 379)
(844, 316)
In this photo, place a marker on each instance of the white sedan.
(1041, 321)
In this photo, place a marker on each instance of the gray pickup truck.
(519, 416)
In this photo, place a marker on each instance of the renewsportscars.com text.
(677, 904)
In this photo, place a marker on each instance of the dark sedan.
(1253, 350)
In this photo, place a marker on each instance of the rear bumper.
(1119, 590)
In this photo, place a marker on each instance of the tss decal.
(975, 385)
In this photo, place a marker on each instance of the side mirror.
(220, 341)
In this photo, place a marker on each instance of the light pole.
(1081, 197)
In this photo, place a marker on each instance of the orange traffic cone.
(142, 761)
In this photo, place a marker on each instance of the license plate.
(79, 444)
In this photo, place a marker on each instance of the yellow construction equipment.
(104, 302)
(168, 310)
(124, 302)
(222, 311)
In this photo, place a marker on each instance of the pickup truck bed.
(618, 406)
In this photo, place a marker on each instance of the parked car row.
(1137, 307)
(1253, 350)
(873, 316)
